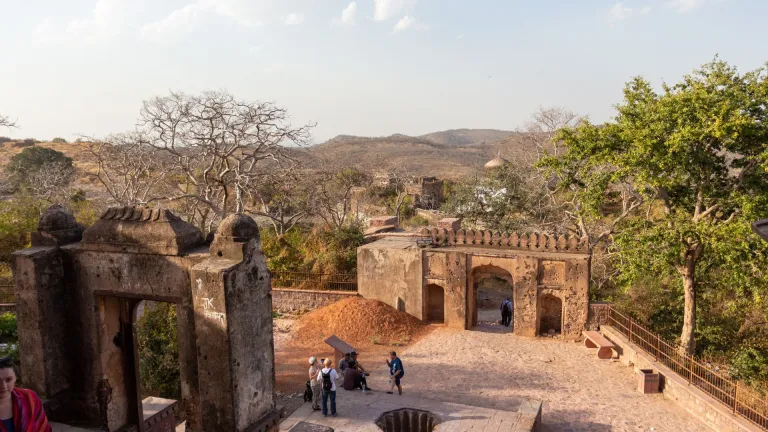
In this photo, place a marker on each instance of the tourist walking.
(327, 378)
(20, 409)
(396, 372)
(506, 312)
(314, 384)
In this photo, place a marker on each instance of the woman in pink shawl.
(21, 410)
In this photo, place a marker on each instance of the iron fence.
(314, 281)
(744, 401)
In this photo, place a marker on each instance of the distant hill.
(448, 154)
(466, 137)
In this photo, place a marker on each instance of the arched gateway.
(546, 276)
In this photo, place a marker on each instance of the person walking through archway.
(506, 312)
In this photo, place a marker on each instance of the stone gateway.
(436, 277)
(77, 294)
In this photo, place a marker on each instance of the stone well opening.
(407, 420)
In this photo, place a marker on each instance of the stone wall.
(598, 315)
(392, 275)
(292, 300)
(675, 388)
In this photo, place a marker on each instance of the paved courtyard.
(491, 368)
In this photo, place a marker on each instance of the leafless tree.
(540, 130)
(50, 184)
(398, 180)
(130, 169)
(282, 196)
(338, 196)
(5, 121)
(217, 147)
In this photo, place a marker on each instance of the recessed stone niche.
(407, 420)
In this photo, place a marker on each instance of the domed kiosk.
(495, 163)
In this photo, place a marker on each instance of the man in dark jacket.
(506, 312)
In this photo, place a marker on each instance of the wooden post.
(735, 396)
(658, 344)
(630, 329)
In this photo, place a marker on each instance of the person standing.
(396, 372)
(314, 384)
(506, 312)
(327, 378)
(20, 409)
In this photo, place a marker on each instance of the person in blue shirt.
(396, 372)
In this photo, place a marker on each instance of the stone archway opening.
(491, 286)
(550, 315)
(435, 304)
(156, 356)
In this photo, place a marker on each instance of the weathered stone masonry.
(398, 270)
(77, 292)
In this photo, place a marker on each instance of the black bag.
(327, 383)
(308, 393)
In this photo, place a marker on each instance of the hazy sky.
(367, 67)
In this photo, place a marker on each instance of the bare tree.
(398, 180)
(337, 196)
(51, 184)
(541, 129)
(217, 147)
(6, 122)
(282, 196)
(130, 169)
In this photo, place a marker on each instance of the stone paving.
(357, 412)
(491, 368)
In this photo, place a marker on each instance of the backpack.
(327, 383)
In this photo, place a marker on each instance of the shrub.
(5, 139)
(417, 220)
(157, 344)
(9, 333)
(59, 140)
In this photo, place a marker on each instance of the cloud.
(684, 6)
(619, 12)
(408, 23)
(103, 23)
(348, 14)
(294, 19)
(386, 9)
(186, 18)
(460, 37)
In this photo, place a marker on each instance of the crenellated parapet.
(532, 241)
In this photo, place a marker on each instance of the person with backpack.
(506, 312)
(395, 372)
(327, 377)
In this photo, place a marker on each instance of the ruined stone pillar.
(233, 321)
(526, 296)
(41, 304)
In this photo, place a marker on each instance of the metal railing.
(314, 281)
(742, 400)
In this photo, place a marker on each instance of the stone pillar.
(575, 298)
(233, 321)
(41, 304)
(526, 296)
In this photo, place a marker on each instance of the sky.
(364, 67)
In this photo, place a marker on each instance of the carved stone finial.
(57, 226)
(235, 232)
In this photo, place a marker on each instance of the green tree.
(696, 154)
(158, 348)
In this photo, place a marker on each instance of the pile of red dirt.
(359, 322)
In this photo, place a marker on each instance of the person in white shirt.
(327, 378)
(314, 369)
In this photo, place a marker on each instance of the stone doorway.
(435, 304)
(156, 356)
(491, 285)
(550, 315)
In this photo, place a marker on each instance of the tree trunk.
(688, 271)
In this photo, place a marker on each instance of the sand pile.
(359, 322)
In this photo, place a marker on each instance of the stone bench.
(605, 348)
